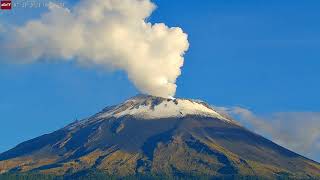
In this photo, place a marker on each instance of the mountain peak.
(162, 136)
(153, 107)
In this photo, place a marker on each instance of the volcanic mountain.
(158, 136)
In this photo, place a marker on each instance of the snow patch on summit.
(150, 107)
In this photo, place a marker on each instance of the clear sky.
(262, 55)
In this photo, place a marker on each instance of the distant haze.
(111, 34)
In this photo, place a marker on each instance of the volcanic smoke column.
(113, 34)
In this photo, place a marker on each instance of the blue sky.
(261, 55)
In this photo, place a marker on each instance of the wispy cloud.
(298, 131)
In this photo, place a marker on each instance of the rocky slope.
(153, 135)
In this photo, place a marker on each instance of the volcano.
(148, 135)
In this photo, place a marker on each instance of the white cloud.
(111, 34)
(298, 131)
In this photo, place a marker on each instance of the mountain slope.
(153, 135)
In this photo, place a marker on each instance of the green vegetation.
(102, 176)
(29, 176)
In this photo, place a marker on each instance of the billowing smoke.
(113, 34)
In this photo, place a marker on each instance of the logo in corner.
(6, 5)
